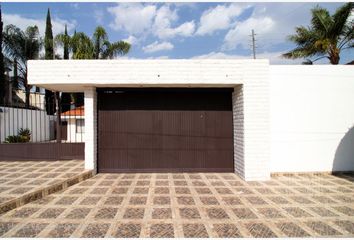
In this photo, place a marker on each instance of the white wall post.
(238, 122)
(251, 123)
(91, 129)
(256, 129)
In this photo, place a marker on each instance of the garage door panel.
(165, 130)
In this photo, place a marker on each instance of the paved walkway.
(190, 205)
(25, 181)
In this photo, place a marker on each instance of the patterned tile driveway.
(190, 205)
(25, 181)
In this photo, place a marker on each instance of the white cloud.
(132, 40)
(272, 23)
(58, 24)
(159, 57)
(98, 14)
(218, 18)
(141, 20)
(162, 26)
(156, 47)
(135, 18)
(239, 35)
(274, 57)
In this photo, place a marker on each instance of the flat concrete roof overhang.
(78, 75)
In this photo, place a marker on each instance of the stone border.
(44, 191)
(290, 174)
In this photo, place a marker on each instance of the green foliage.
(64, 41)
(326, 37)
(48, 38)
(99, 47)
(23, 136)
(49, 55)
(2, 64)
(20, 46)
(82, 46)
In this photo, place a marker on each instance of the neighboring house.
(36, 99)
(73, 125)
(209, 115)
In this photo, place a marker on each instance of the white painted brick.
(90, 97)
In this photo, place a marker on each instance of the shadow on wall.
(344, 156)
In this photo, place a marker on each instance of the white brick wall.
(250, 100)
(251, 123)
(91, 129)
(74, 75)
(256, 121)
(237, 106)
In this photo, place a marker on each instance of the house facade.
(241, 116)
(73, 125)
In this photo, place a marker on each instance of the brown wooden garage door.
(165, 130)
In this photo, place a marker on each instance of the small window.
(80, 125)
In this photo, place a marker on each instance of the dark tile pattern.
(128, 230)
(195, 230)
(162, 213)
(30, 230)
(63, 230)
(227, 231)
(95, 230)
(6, 226)
(189, 213)
(322, 228)
(185, 205)
(292, 230)
(244, 213)
(259, 230)
(163, 230)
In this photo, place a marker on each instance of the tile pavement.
(24, 181)
(190, 205)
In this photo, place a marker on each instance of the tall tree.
(326, 37)
(2, 65)
(64, 41)
(104, 49)
(20, 47)
(49, 55)
(15, 83)
(99, 47)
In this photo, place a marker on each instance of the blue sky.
(179, 30)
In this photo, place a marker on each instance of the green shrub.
(24, 135)
(13, 139)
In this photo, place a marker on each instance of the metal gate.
(165, 130)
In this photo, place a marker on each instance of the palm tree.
(20, 46)
(99, 47)
(326, 37)
(104, 49)
(82, 47)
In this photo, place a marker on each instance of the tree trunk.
(334, 60)
(334, 56)
(58, 125)
(27, 92)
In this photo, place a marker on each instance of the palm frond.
(340, 20)
(321, 20)
(82, 46)
(116, 49)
